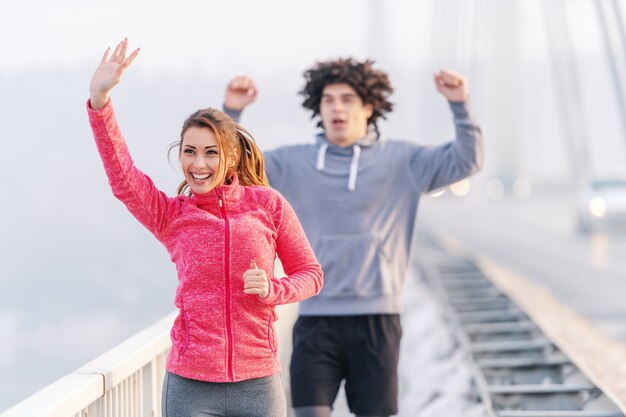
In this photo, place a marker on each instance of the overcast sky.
(206, 34)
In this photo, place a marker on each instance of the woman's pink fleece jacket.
(221, 334)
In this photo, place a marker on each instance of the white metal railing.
(124, 382)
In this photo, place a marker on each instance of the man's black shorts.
(362, 349)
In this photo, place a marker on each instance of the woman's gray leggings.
(259, 397)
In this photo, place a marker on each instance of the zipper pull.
(219, 200)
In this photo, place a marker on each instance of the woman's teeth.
(200, 177)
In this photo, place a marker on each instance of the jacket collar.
(230, 194)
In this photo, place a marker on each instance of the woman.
(223, 232)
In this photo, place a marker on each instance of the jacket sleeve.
(304, 276)
(436, 167)
(131, 186)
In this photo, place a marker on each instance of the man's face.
(344, 116)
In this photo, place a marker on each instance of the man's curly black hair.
(372, 85)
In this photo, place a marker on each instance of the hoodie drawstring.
(354, 164)
(321, 156)
(354, 167)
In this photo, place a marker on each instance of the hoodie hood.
(371, 137)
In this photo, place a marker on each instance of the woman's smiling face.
(199, 158)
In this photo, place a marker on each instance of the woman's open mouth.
(201, 177)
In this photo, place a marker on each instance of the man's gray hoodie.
(358, 206)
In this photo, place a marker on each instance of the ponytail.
(251, 165)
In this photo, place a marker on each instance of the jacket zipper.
(229, 329)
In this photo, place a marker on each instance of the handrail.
(125, 381)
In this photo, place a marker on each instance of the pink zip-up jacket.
(221, 334)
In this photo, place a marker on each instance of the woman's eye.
(188, 151)
(211, 152)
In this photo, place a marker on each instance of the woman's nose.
(198, 162)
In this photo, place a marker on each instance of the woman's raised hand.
(109, 73)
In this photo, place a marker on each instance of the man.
(356, 196)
